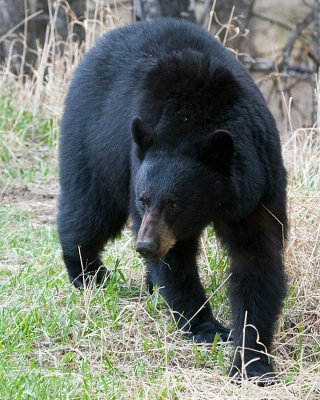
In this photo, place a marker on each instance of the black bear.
(163, 125)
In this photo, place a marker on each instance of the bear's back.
(136, 47)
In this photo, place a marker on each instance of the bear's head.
(179, 187)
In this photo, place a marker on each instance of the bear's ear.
(217, 150)
(141, 135)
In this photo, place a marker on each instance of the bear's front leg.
(178, 280)
(256, 299)
(257, 290)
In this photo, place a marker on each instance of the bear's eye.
(172, 204)
(143, 201)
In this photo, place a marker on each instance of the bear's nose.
(147, 249)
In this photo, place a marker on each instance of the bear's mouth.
(151, 251)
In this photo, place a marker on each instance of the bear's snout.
(155, 238)
(147, 249)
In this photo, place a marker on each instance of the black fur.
(163, 125)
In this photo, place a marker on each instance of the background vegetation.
(119, 343)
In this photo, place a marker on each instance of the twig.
(273, 20)
(2, 38)
(293, 38)
(298, 70)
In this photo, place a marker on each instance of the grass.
(119, 343)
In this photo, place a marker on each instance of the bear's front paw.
(206, 332)
(260, 372)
